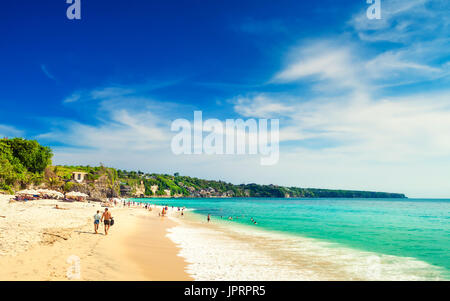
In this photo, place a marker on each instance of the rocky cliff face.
(99, 189)
(135, 191)
(139, 190)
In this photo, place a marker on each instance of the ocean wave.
(242, 253)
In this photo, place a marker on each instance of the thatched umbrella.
(76, 194)
(28, 192)
(79, 196)
(51, 193)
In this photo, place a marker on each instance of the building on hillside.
(79, 176)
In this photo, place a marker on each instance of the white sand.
(36, 241)
(24, 224)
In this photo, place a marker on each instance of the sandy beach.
(39, 242)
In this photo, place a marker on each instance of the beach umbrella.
(52, 193)
(28, 192)
(76, 194)
(58, 194)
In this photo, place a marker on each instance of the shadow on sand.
(84, 232)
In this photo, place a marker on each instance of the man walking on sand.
(106, 218)
(97, 218)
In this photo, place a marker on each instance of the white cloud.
(110, 92)
(260, 106)
(392, 61)
(119, 124)
(412, 127)
(322, 60)
(72, 98)
(337, 66)
(404, 21)
(350, 134)
(9, 131)
(392, 144)
(135, 132)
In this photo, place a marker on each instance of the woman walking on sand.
(97, 218)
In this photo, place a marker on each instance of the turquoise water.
(417, 228)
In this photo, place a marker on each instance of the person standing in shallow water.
(106, 219)
(209, 218)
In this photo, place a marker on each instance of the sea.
(312, 239)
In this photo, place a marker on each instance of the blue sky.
(363, 104)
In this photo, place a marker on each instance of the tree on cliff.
(33, 156)
(22, 162)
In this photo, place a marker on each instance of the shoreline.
(143, 246)
(136, 249)
(239, 252)
(155, 254)
(221, 252)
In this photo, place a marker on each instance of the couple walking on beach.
(106, 218)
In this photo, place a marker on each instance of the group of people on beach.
(165, 210)
(108, 221)
(106, 218)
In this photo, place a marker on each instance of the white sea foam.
(225, 252)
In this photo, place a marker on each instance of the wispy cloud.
(122, 130)
(404, 21)
(261, 106)
(393, 129)
(47, 73)
(349, 113)
(109, 92)
(335, 64)
(9, 131)
(117, 91)
(323, 61)
(72, 98)
(120, 118)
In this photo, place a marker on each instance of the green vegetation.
(25, 162)
(194, 187)
(95, 176)
(280, 191)
(22, 162)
